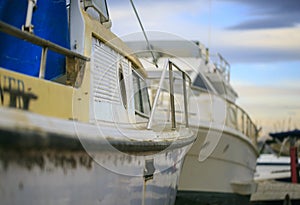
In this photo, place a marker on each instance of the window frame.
(141, 96)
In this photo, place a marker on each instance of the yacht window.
(100, 6)
(145, 97)
(137, 95)
(199, 82)
(141, 97)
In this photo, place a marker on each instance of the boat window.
(199, 82)
(141, 97)
(122, 86)
(100, 6)
(145, 97)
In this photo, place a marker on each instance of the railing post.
(185, 100)
(248, 126)
(149, 124)
(236, 117)
(43, 62)
(172, 100)
(30, 9)
(243, 124)
(173, 120)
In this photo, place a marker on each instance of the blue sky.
(260, 39)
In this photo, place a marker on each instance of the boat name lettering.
(14, 90)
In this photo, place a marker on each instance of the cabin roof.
(282, 135)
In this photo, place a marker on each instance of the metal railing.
(222, 66)
(169, 66)
(241, 122)
(236, 118)
(45, 44)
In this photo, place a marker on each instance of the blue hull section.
(50, 22)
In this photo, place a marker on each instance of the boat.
(220, 166)
(278, 176)
(273, 167)
(76, 124)
(272, 164)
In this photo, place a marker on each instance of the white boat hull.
(74, 178)
(51, 161)
(224, 177)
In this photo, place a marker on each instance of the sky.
(259, 38)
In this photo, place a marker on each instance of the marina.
(94, 112)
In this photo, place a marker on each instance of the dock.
(274, 192)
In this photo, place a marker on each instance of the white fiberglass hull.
(223, 177)
(51, 161)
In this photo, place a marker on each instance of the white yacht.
(220, 166)
(273, 167)
(76, 125)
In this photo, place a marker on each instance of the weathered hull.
(61, 177)
(225, 176)
(43, 167)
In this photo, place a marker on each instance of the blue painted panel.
(50, 22)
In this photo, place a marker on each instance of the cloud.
(253, 91)
(191, 21)
(154, 13)
(269, 14)
(267, 45)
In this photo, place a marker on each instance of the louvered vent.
(126, 67)
(104, 74)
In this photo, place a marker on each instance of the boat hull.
(225, 176)
(75, 178)
(49, 165)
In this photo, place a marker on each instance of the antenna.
(141, 25)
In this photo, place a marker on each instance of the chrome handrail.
(149, 124)
(168, 66)
(243, 123)
(172, 103)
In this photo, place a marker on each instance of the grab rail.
(241, 122)
(169, 66)
(45, 44)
